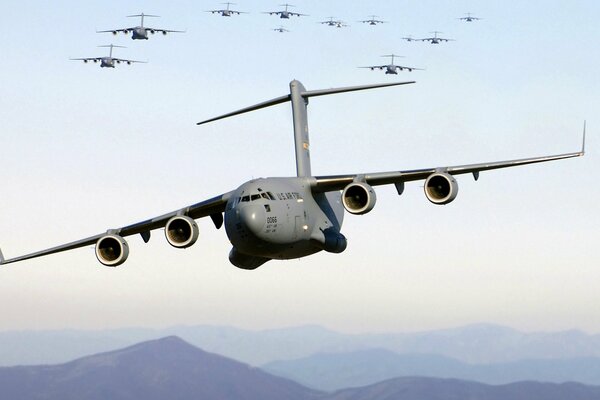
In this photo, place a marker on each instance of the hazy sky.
(85, 149)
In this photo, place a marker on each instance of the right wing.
(213, 207)
(123, 60)
(124, 30)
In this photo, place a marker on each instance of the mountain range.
(171, 368)
(479, 344)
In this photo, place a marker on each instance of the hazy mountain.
(481, 343)
(167, 368)
(452, 389)
(334, 371)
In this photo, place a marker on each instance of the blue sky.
(86, 149)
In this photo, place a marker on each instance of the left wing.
(339, 182)
(213, 207)
(164, 31)
(122, 60)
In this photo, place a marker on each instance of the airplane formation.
(282, 218)
(143, 32)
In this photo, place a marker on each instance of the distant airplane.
(287, 217)
(281, 29)
(141, 31)
(435, 39)
(391, 68)
(332, 22)
(285, 13)
(372, 20)
(410, 39)
(469, 18)
(227, 12)
(110, 61)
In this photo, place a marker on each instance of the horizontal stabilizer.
(322, 92)
(258, 106)
(305, 94)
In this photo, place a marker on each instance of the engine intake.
(112, 250)
(441, 188)
(181, 231)
(358, 198)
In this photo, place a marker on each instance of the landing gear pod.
(181, 232)
(441, 188)
(112, 250)
(358, 198)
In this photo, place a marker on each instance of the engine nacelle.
(358, 198)
(441, 188)
(125, 31)
(114, 32)
(181, 231)
(112, 250)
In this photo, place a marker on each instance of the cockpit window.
(264, 196)
(255, 197)
(246, 198)
(271, 196)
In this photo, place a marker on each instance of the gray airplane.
(110, 61)
(410, 39)
(286, 14)
(468, 18)
(281, 29)
(435, 39)
(289, 217)
(227, 12)
(392, 68)
(334, 22)
(372, 20)
(141, 31)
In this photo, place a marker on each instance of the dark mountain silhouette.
(452, 389)
(167, 368)
(333, 371)
(170, 368)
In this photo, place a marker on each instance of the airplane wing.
(375, 67)
(128, 61)
(295, 14)
(213, 207)
(87, 59)
(339, 182)
(127, 30)
(162, 30)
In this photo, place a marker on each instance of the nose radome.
(253, 217)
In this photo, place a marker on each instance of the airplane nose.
(253, 217)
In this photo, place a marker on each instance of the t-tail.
(299, 98)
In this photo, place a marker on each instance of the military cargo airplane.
(392, 68)
(333, 22)
(110, 61)
(281, 29)
(469, 18)
(435, 39)
(227, 12)
(285, 13)
(141, 31)
(410, 39)
(372, 20)
(288, 217)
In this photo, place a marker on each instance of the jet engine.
(128, 62)
(112, 250)
(441, 188)
(164, 32)
(181, 231)
(152, 31)
(358, 198)
(114, 32)
(125, 31)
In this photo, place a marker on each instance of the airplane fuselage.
(280, 218)
(391, 69)
(107, 62)
(139, 33)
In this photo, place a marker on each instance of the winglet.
(583, 144)
(1, 257)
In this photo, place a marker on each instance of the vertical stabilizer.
(299, 104)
